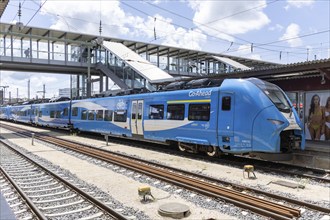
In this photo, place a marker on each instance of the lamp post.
(4, 93)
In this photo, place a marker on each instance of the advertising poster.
(317, 115)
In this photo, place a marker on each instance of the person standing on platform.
(27, 53)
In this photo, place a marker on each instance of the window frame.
(225, 104)
(160, 108)
(106, 114)
(199, 113)
(84, 114)
(116, 117)
(174, 116)
(74, 111)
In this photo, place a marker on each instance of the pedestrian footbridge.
(109, 62)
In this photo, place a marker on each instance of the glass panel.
(156, 112)
(140, 111)
(99, 115)
(120, 116)
(199, 112)
(107, 115)
(175, 112)
(226, 102)
(134, 111)
(84, 115)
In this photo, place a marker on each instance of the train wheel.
(212, 151)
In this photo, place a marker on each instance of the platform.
(316, 154)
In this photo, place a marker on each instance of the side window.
(120, 115)
(40, 113)
(156, 112)
(52, 114)
(226, 102)
(91, 115)
(58, 114)
(107, 115)
(175, 112)
(99, 115)
(84, 115)
(199, 112)
(75, 111)
(66, 112)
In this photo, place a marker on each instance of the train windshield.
(275, 94)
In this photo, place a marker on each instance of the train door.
(226, 120)
(136, 117)
(36, 115)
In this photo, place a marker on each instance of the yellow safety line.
(189, 101)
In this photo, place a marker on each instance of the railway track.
(193, 182)
(46, 194)
(293, 171)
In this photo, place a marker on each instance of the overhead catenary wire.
(261, 46)
(255, 45)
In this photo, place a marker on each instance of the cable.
(259, 46)
(205, 25)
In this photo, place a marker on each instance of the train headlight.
(276, 122)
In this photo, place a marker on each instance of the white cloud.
(277, 27)
(118, 23)
(298, 3)
(19, 80)
(228, 22)
(291, 35)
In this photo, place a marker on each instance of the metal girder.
(3, 5)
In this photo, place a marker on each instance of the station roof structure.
(315, 68)
(3, 5)
(139, 47)
(252, 68)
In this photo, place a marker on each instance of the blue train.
(236, 117)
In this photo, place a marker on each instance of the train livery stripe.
(189, 101)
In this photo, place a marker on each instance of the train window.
(66, 112)
(84, 115)
(99, 115)
(75, 111)
(226, 102)
(40, 113)
(156, 112)
(140, 111)
(58, 114)
(120, 115)
(52, 114)
(199, 112)
(91, 115)
(175, 112)
(134, 111)
(107, 115)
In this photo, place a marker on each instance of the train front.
(277, 129)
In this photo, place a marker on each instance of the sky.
(279, 31)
